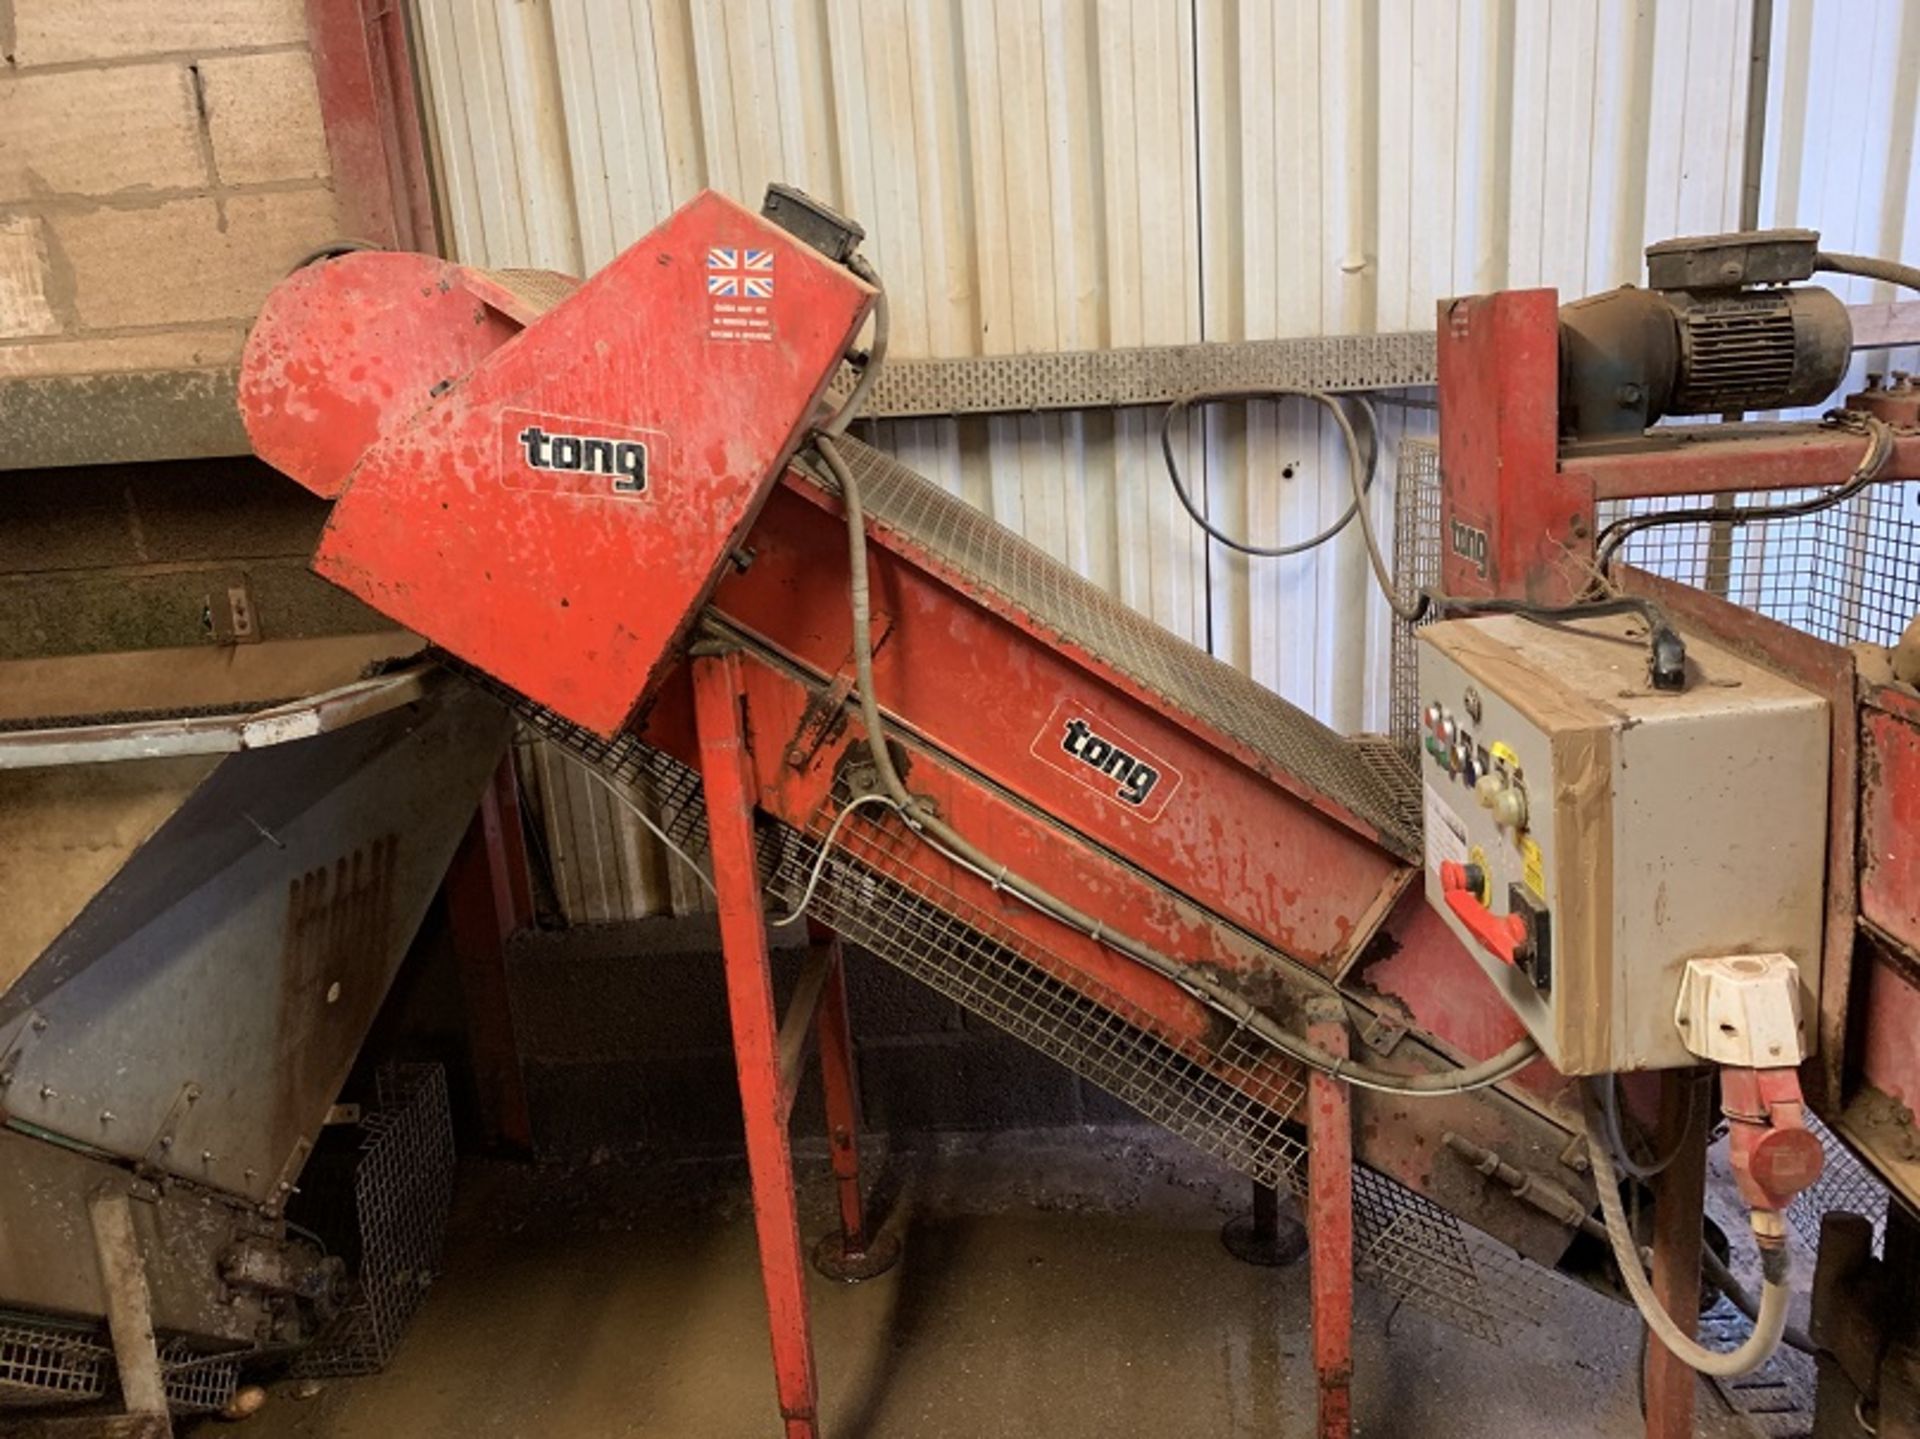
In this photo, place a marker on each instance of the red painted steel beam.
(1727, 462)
(726, 772)
(1511, 524)
(842, 1091)
(1330, 1225)
(489, 898)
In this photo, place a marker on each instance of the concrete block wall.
(102, 558)
(162, 164)
(623, 1038)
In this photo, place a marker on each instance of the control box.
(1587, 835)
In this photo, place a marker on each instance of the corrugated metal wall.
(1102, 173)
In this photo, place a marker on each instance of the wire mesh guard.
(402, 1194)
(1847, 575)
(1232, 1098)
(46, 1363)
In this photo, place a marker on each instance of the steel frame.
(769, 1050)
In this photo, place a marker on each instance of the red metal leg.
(1680, 1196)
(743, 940)
(489, 897)
(850, 1253)
(1330, 1224)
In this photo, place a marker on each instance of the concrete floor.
(1069, 1287)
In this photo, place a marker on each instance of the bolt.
(193, 1093)
(206, 1156)
(1628, 396)
(39, 1024)
(47, 1092)
(106, 1116)
(166, 1141)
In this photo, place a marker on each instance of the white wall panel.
(1062, 174)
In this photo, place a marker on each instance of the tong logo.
(1470, 544)
(1108, 762)
(1135, 777)
(623, 462)
(578, 458)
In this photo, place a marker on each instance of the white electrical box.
(1587, 835)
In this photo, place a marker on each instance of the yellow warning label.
(1533, 867)
(1504, 753)
(1478, 856)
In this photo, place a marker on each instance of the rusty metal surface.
(46, 1245)
(202, 1011)
(988, 556)
(1890, 817)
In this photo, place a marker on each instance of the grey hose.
(876, 353)
(1215, 996)
(1867, 267)
(1768, 1325)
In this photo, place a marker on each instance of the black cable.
(1666, 651)
(1879, 451)
(1278, 392)
(1607, 1089)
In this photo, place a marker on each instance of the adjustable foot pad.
(833, 1259)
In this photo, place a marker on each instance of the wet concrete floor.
(1061, 1286)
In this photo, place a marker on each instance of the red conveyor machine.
(627, 506)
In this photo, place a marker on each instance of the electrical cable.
(1616, 1140)
(1867, 267)
(646, 819)
(1769, 1323)
(1277, 392)
(799, 910)
(876, 352)
(1880, 443)
(928, 826)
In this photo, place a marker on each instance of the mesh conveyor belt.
(1081, 613)
(1231, 1099)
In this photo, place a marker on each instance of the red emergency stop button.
(1504, 936)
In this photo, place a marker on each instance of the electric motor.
(1717, 331)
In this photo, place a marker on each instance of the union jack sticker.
(739, 274)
